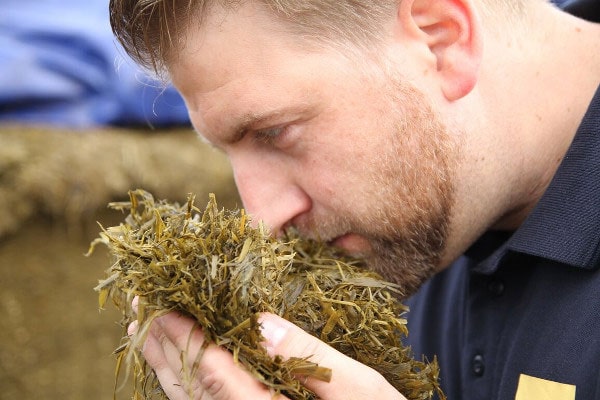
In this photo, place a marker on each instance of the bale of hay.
(68, 175)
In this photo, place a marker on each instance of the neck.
(540, 93)
(532, 94)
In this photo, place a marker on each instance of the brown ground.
(54, 342)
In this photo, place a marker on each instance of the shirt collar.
(564, 226)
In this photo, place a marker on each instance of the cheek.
(320, 178)
(338, 181)
(341, 163)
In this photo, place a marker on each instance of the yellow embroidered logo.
(531, 388)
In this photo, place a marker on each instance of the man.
(407, 132)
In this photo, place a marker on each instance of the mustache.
(322, 228)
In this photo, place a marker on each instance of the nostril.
(287, 227)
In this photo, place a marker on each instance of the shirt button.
(478, 365)
(496, 287)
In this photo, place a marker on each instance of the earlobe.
(451, 31)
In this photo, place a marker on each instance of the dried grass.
(214, 267)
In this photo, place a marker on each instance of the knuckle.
(296, 344)
(213, 385)
(163, 340)
(374, 384)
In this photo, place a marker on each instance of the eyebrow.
(239, 126)
(234, 131)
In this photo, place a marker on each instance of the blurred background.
(80, 125)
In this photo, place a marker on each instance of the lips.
(352, 243)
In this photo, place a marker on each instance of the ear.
(452, 32)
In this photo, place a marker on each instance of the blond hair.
(152, 31)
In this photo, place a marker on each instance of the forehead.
(209, 51)
(241, 62)
(222, 60)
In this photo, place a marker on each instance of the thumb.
(349, 379)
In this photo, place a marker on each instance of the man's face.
(334, 147)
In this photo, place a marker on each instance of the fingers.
(181, 337)
(156, 356)
(165, 359)
(350, 379)
(187, 368)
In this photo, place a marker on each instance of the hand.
(218, 377)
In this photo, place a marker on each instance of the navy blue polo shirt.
(517, 317)
(588, 9)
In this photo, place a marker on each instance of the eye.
(270, 135)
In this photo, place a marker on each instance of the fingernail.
(132, 328)
(273, 332)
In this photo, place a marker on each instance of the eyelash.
(270, 135)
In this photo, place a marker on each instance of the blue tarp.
(60, 64)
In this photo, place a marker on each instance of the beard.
(408, 193)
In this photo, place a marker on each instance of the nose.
(269, 191)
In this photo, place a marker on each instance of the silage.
(213, 266)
